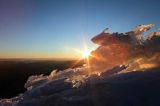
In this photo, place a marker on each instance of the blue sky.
(51, 28)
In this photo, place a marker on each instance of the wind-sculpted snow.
(125, 48)
(67, 86)
(118, 55)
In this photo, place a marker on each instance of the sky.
(55, 28)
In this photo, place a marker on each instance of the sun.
(85, 54)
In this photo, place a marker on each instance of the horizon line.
(32, 58)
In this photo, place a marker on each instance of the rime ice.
(120, 48)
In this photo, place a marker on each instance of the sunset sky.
(55, 28)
